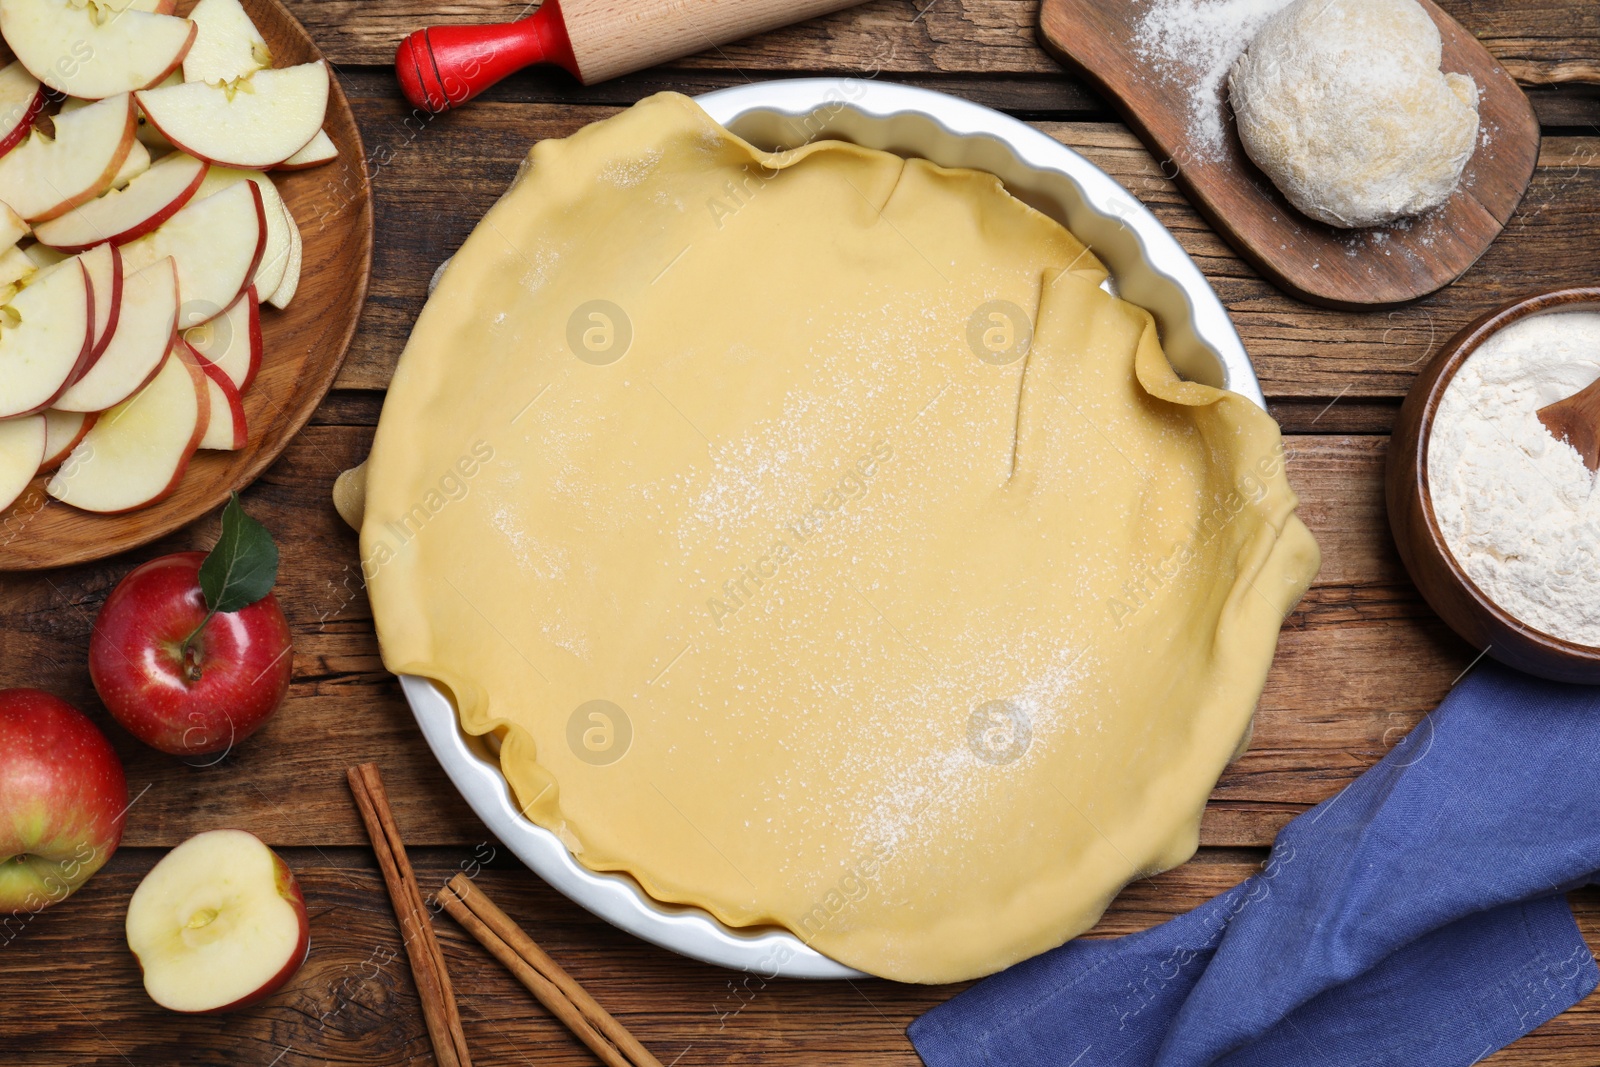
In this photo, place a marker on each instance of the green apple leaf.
(242, 566)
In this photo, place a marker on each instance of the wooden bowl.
(304, 345)
(1443, 582)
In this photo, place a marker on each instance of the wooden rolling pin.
(445, 66)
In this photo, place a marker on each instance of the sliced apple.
(44, 257)
(137, 163)
(103, 264)
(124, 215)
(228, 46)
(321, 150)
(218, 923)
(12, 228)
(76, 49)
(62, 432)
(147, 134)
(44, 177)
(21, 100)
(256, 122)
(275, 256)
(291, 274)
(144, 334)
(232, 341)
(226, 428)
(137, 452)
(16, 267)
(216, 243)
(46, 334)
(21, 453)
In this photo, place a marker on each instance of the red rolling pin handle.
(445, 66)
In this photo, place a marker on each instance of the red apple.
(179, 686)
(62, 800)
(218, 924)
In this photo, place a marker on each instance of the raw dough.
(1341, 102)
(826, 548)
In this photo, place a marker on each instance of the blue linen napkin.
(1417, 918)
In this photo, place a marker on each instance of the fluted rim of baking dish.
(1148, 268)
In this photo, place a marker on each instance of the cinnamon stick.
(439, 1012)
(544, 978)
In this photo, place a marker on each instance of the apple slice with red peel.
(125, 215)
(46, 335)
(137, 452)
(219, 923)
(16, 267)
(103, 263)
(44, 177)
(137, 163)
(73, 48)
(228, 46)
(291, 273)
(275, 254)
(256, 122)
(12, 228)
(321, 150)
(62, 432)
(21, 100)
(232, 341)
(144, 334)
(216, 242)
(226, 429)
(21, 452)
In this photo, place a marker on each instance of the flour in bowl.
(1518, 508)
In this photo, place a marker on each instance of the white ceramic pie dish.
(1148, 267)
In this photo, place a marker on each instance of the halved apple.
(321, 150)
(74, 48)
(219, 923)
(232, 341)
(228, 46)
(226, 428)
(137, 452)
(275, 256)
(216, 243)
(144, 334)
(21, 100)
(291, 274)
(46, 333)
(62, 432)
(21, 452)
(44, 177)
(137, 163)
(125, 215)
(256, 122)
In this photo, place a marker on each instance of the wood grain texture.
(304, 346)
(432, 178)
(1333, 705)
(74, 996)
(1378, 267)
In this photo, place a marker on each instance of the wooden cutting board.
(1383, 266)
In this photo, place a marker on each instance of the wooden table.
(1359, 662)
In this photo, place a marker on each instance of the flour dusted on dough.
(1342, 104)
(1191, 45)
(1518, 508)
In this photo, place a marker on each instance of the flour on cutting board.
(1191, 45)
(1518, 508)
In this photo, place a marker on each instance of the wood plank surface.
(1361, 659)
(354, 1002)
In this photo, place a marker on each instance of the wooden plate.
(1433, 567)
(304, 346)
(1354, 269)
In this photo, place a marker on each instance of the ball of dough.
(1342, 103)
